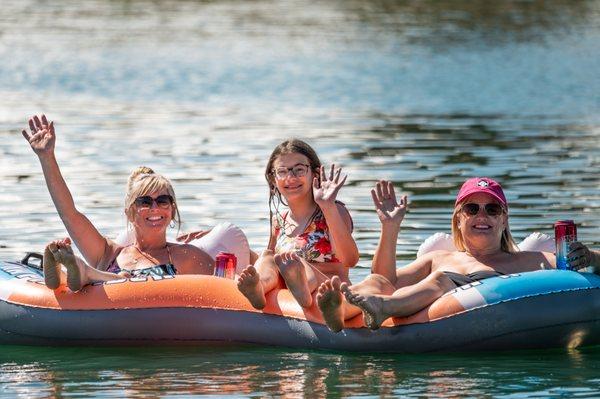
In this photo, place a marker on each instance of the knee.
(375, 283)
(377, 279)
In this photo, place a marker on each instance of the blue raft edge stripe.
(519, 285)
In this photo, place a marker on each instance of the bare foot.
(65, 256)
(371, 306)
(249, 284)
(50, 267)
(292, 271)
(329, 300)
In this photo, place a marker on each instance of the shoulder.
(342, 208)
(188, 250)
(345, 214)
(189, 259)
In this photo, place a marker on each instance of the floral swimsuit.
(313, 244)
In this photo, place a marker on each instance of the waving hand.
(42, 137)
(387, 207)
(325, 188)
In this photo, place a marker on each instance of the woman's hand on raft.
(325, 188)
(41, 136)
(579, 256)
(186, 238)
(388, 209)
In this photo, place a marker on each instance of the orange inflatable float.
(541, 309)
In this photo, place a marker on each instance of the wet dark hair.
(289, 146)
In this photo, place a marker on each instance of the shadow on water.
(269, 371)
(446, 22)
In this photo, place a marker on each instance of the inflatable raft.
(544, 309)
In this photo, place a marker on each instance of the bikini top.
(165, 269)
(313, 244)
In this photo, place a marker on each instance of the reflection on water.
(423, 93)
(36, 372)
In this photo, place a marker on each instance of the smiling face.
(480, 230)
(150, 203)
(155, 215)
(291, 185)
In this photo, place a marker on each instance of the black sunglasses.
(492, 209)
(146, 201)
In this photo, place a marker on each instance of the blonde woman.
(150, 206)
(485, 249)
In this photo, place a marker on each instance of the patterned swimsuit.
(165, 269)
(313, 244)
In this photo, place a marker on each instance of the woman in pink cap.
(485, 246)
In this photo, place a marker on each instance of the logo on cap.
(483, 183)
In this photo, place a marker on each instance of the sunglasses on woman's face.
(162, 201)
(491, 209)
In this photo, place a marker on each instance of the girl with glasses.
(485, 246)
(310, 241)
(150, 207)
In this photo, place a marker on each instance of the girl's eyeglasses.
(491, 209)
(162, 201)
(298, 170)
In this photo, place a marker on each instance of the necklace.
(148, 257)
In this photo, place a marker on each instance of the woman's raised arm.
(91, 243)
(390, 213)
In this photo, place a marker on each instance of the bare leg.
(403, 302)
(255, 281)
(293, 271)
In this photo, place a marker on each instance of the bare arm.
(90, 242)
(338, 219)
(391, 213)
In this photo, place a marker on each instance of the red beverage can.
(565, 232)
(225, 264)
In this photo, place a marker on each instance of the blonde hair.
(507, 243)
(144, 181)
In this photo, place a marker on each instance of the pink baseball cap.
(482, 185)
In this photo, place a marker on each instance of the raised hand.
(325, 188)
(387, 207)
(42, 137)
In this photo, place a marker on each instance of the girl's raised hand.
(387, 207)
(42, 137)
(325, 188)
